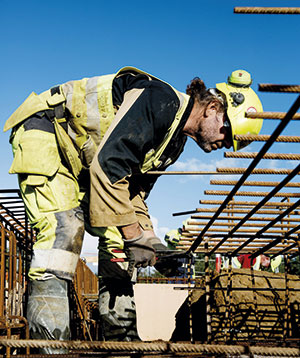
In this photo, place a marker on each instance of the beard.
(203, 144)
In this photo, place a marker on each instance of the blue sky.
(44, 43)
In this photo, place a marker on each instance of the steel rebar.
(245, 203)
(265, 137)
(173, 172)
(269, 87)
(251, 193)
(238, 218)
(253, 183)
(200, 223)
(266, 10)
(270, 115)
(255, 171)
(236, 211)
(248, 155)
(159, 346)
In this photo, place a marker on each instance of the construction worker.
(81, 151)
(172, 238)
(260, 263)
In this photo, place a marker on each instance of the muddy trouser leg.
(116, 279)
(117, 306)
(54, 212)
(52, 268)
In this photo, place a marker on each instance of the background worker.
(260, 263)
(172, 239)
(81, 151)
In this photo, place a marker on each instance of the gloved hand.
(157, 244)
(142, 250)
(169, 266)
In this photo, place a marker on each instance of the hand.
(142, 251)
(157, 244)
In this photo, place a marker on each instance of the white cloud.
(273, 164)
(159, 231)
(194, 164)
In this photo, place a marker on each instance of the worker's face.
(265, 261)
(214, 130)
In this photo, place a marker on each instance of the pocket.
(44, 195)
(38, 196)
(35, 152)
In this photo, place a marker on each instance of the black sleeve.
(142, 128)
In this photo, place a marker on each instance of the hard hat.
(240, 98)
(188, 225)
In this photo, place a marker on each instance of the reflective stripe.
(90, 103)
(152, 158)
(79, 110)
(67, 89)
(92, 110)
(105, 103)
(55, 260)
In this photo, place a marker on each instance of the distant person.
(172, 239)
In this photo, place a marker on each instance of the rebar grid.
(294, 108)
(267, 10)
(226, 250)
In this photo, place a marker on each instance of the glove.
(157, 244)
(170, 266)
(142, 251)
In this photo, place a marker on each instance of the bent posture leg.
(50, 196)
(116, 296)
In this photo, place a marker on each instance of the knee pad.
(58, 244)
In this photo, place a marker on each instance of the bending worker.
(81, 151)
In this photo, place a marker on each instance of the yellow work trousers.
(51, 197)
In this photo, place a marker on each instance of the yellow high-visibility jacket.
(120, 126)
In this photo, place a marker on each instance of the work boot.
(48, 312)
